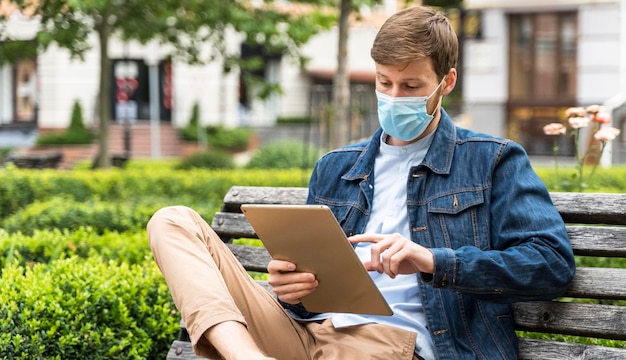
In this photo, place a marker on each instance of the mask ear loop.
(440, 96)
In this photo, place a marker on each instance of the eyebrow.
(401, 80)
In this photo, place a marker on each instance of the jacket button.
(443, 283)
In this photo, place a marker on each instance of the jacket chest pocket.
(459, 219)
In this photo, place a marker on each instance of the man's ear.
(449, 82)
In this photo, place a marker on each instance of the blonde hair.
(414, 34)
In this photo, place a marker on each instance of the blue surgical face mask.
(405, 118)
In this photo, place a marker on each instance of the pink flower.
(606, 134)
(594, 109)
(554, 129)
(601, 117)
(575, 112)
(578, 122)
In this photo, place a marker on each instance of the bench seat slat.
(533, 349)
(593, 320)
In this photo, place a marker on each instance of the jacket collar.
(439, 157)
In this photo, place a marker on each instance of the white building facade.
(536, 58)
(39, 93)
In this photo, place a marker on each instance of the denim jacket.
(477, 204)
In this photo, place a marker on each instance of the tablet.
(310, 237)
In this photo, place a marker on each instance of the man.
(454, 226)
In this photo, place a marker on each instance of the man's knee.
(167, 220)
(167, 216)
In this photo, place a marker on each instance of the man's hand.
(394, 254)
(290, 285)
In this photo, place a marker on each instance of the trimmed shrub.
(85, 309)
(201, 189)
(284, 155)
(75, 134)
(66, 214)
(214, 159)
(231, 139)
(4, 152)
(281, 120)
(218, 137)
(190, 131)
(45, 246)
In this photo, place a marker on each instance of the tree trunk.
(103, 159)
(341, 85)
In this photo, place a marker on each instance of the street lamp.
(152, 60)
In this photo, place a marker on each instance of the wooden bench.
(596, 228)
(49, 160)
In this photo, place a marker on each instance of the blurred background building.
(532, 59)
(523, 63)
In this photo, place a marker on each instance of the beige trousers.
(209, 286)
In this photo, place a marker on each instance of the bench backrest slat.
(591, 208)
(556, 350)
(583, 208)
(593, 320)
(609, 241)
(238, 195)
(589, 283)
(598, 283)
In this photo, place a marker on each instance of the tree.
(341, 82)
(340, 120)
(184, 25)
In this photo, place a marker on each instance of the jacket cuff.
(445, 269)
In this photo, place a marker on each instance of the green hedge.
(284, 155)
(611, 180)
(85, 309)
(199, 188)
(61, 213)
(211, 159)
(47, 245)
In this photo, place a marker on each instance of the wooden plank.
(238, 195)
(182, 350)
(609, 241)
(598, 283)
(592, 320)
(531, 349)
(233, 225)
(591, 208)
(584, 208)
(252, 258)
(591, 283)
(586, 240)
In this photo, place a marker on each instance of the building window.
(25, 90)
(542, 77)
(131, 90)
